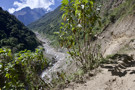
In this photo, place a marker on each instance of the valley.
(59, 59)
(81, 45)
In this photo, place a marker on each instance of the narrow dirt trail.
(104, 80)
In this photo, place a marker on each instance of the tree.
(76, 32)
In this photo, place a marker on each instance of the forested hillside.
(48, 24)
(19, 64)
(14, 35)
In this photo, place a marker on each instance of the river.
(62, 60)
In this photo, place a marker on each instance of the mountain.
(48, 24)
(28, 15)
(14, 34)
(111, 11)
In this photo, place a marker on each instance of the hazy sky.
(15, 5)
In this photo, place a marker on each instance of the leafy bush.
(21, 70)
(77, 31)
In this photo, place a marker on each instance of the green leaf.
(7, 75)
(65, 2)
(62, 23)
(56, 33)
(91, 2)
(63, 16)
(77, 2)
(85, 1)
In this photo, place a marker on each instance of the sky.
(16, 5)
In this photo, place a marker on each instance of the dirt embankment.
(117, 38)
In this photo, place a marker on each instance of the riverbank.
(62, 62)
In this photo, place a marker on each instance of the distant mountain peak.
(28, 15)
(26, 8)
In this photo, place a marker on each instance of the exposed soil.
(116, 38)
(118, 76)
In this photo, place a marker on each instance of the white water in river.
(61, 60)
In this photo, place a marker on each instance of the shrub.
(113, 18)
(20, 70)
(77, 31)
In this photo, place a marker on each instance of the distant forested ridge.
(49, 23)
(14, 35)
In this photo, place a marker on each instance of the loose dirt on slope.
(118, 76)
(117, 38)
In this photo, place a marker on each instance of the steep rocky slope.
(119, 37)
(117, 41)
(118, 26)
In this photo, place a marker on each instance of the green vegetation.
(76, 33)
(48, 24)
(14, 35)
(20, 70)
(81, 22)
(111, 10)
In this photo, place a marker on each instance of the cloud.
(11, 10)
(32, 4)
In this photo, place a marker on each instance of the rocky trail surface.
(117, 76)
